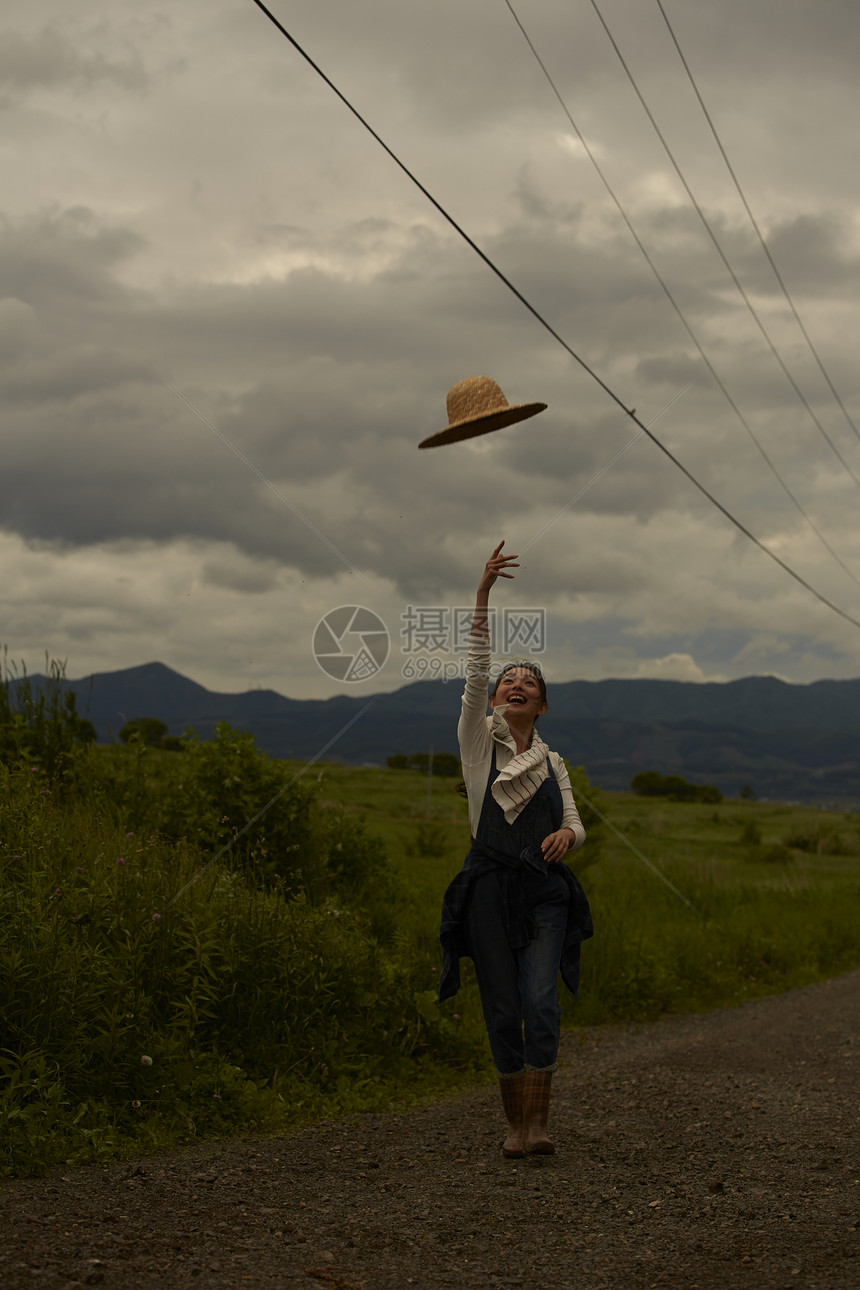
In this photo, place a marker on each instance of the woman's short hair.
(525, 665)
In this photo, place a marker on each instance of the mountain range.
(788, 742)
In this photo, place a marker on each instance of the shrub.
(147, 730)
(777, 853)
(822, 842)
(650, 783)
(278, 968)
(40, 723)
(430, 839)
(592, 809)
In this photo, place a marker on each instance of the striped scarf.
(516, 784)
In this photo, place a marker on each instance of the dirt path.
(717, 1152)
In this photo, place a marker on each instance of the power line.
(263, 809)
(548, 327)
(264, 480)
(582, 798)
(754, 222)
(673, 302)
(714, 239)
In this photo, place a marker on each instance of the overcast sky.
(186, 204)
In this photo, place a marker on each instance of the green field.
(767, 916)
(177, 962)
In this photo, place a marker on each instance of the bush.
(430, 839)
(263, 989)
(224, 795)
(592, 810)
(821, 842)
(776, 853)
(40, 726)
(650, 783)
(147, 730)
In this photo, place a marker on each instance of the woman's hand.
(496, 566)
(556, 846)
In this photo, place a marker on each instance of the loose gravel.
(709, 1152)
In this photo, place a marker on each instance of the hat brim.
(471, 427)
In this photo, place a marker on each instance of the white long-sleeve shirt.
(478, 734)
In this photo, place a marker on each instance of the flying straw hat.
(477, 406)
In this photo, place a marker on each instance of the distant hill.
(796, 742)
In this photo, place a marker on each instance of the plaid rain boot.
(535, 1113)
(511, 1087)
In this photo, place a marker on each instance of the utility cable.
(264, 480)
(549, 328)
(754, 222)
(204, 869)
(600, 473)
(580, 796)
(677, 308)
(712, 235)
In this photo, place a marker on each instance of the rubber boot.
(535, 1113)
(511, 1087)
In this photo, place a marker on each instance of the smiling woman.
(514, 908)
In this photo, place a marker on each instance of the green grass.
(295, 977)
(767, 916)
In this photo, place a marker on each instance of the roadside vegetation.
(178, 962)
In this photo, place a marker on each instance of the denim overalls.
(516, 922)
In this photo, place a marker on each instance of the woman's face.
(520, 688)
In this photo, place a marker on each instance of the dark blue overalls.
(516, 922)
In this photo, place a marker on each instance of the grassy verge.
(167, 973)
(775, 890)
(150, 996)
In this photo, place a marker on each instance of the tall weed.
(147, 993)
(192, 943)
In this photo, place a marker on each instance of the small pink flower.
(129, 835)
(156, 918)
(57, 892)
(80, 869)
(121, 860)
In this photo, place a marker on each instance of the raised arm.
(495, 568)
(472, 730)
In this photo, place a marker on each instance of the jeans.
(519, 988)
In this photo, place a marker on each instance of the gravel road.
(710, 1152)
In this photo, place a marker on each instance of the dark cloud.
(335, 431)
(65, 259)
(55, 57)
(238, 235)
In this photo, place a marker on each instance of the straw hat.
(477, 406)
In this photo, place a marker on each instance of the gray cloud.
(236, 234)
(53, 57)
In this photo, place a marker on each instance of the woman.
(514, 908)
